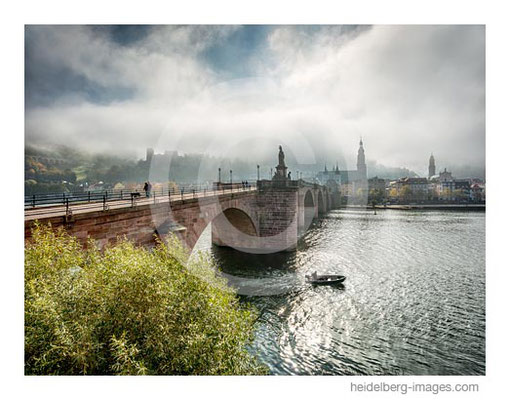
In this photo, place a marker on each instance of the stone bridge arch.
(233, 228)
(228, 217)
(313, 201)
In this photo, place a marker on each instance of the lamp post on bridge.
(219, 175)
(230, 177)
(258, 172)
(297, 175)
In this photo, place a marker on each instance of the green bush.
(129, 310)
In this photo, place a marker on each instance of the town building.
(376, 183)
(445, 176)
(477, 192)
(409, 189)
(450, 189)
(445, 187)
(377, 190)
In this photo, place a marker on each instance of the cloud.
(408, 90)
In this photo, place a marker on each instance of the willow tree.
(128, 310)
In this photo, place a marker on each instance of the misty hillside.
(61, 168)
(382, 171)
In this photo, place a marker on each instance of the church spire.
(432, 166)
(362, 166)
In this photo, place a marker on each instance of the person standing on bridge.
(149, 189)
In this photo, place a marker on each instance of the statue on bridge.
(281, 158)
(281, 169)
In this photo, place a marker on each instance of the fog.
(240, 91)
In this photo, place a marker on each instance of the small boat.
(324, 279)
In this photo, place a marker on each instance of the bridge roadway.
(41, 212)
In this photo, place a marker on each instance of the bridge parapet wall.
(105, 227)
(270, 219)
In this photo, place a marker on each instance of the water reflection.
(413, 302)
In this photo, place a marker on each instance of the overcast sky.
(240, 90)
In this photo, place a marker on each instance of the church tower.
(362, 166)
(432, 166)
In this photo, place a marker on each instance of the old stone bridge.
(267, 218)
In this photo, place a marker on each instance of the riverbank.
(453, 207)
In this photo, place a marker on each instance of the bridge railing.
(286, 183)
(129, 195)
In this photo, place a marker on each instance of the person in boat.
(314, 275)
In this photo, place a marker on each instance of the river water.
(413, 302)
